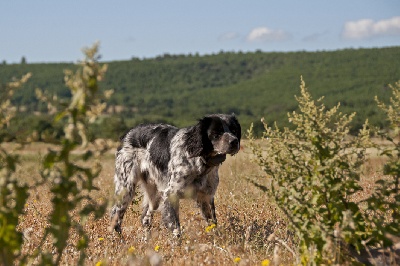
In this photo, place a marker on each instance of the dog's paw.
(146, 234)
(176, 233)
(118, 229)
(146, 221)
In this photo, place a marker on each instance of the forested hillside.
(178, 89)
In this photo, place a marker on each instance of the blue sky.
(54, 31)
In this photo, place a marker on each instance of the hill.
(178, 89)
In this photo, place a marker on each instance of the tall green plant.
(13, 194)
(70, 174)
(385, 201)
(315, 171)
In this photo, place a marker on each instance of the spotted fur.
(171, 163)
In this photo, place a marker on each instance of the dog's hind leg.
(151, 202)
(125, 180)
(119, 209)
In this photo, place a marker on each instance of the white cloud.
(228, 36)
(266, 34)
(368, 28)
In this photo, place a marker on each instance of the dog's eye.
(215, 136)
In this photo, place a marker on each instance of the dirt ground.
(246, 221)
(251, 229)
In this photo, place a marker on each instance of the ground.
(247, 219)
(251, 230)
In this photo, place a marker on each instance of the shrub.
(110, 127)
(13, 194)
(71, 178)
(315, 171)
(40, 128)
(385, 202)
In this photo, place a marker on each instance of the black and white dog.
(171, 163)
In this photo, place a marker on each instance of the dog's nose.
(234, 142)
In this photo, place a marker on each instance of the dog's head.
(216, 134)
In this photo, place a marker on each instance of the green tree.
(23, 60)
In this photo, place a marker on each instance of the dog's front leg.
(213, 215)
(205, 196)
(170, 212)
(170, 203)
(207, 207)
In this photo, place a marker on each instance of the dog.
(171, 163)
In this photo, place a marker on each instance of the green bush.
(385, 201)
(315, 171)
(111, 127)
(40, 128)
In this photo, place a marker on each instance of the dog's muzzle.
(234, 144)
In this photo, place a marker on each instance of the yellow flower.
(210, 227)
(157, 248)
(101, 238)
(265, 263)
(131, 250)
(99, 263)
(237, 259)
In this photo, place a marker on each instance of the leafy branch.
(72, 169)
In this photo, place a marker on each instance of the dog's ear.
(193, 140)
(196, 139)
(237, 125)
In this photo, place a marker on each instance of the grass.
(251, 229)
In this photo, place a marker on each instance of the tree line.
(179, 89)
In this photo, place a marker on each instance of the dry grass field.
(250, 231)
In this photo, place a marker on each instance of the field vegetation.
(251, 227)
(308, 193)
